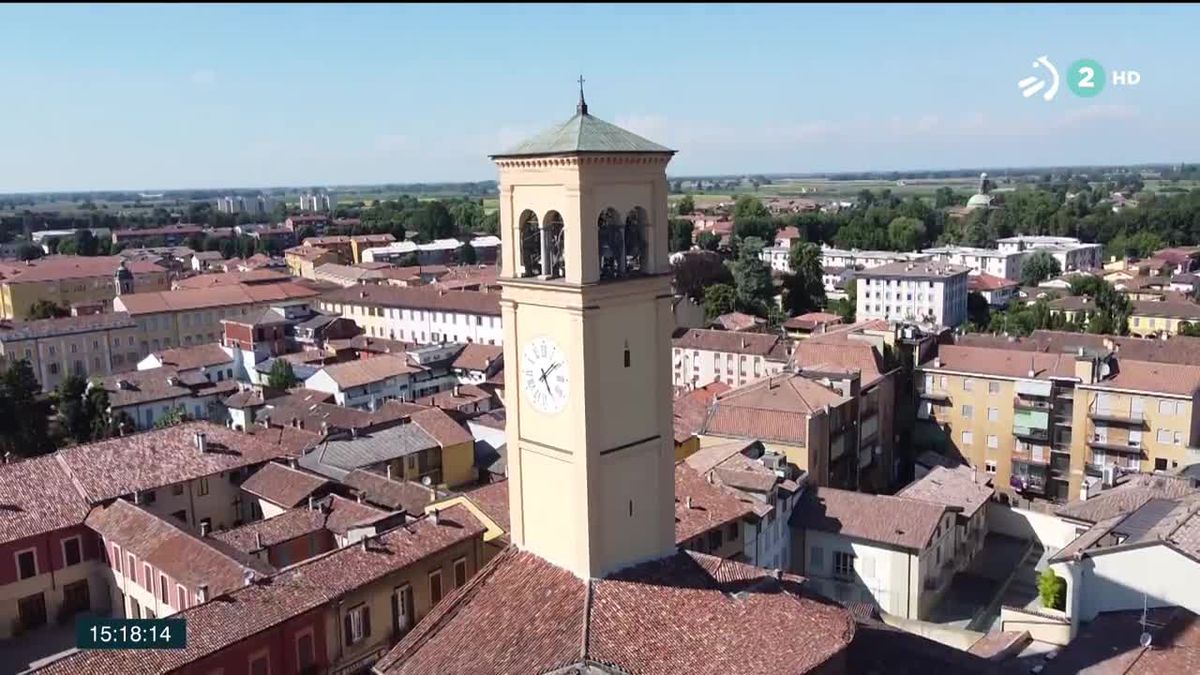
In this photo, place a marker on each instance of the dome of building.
(979, 201)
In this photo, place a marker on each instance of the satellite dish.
(1146, 639)
(426, 481)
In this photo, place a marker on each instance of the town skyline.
(218, 105)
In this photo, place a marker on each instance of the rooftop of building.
(917, 269)
(690, 409)
(701, 506)
(219, 296)
(1128, 495)
(988, 282)
(775, 408)
(137, 387)
(12, 331)
(398, 495)
(477, 356)
(283, 485)
(684, 613)
(892, 521)
(215, 279)
(242, 613)
(960, 487)
(362, 372)
(37, 495)
(1110, 645)
(418, 297)
(191, 358)
(583, 134)
(154, 459)
(769, 346)
(737, 321)
(812, 321)
(58, 267)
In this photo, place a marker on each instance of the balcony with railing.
(1032, 424)
(1115, 440)
(1031, 404)
(1115, 415)
(1060, 465)
(1028, 453)
(1033, 481)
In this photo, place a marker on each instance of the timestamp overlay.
(104, 633)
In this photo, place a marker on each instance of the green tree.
(747, 206)
(1039, 266)
(846, 307)
(697, 270)
(708, 241)
(72, 408)
(408, 260)
(47, 309)
(680, 234)
(907, 234)
(719, 299)
(491, 223)
(305, 232)
(978, 311)
(467, 254)
(24, 412)
(804, 288)
(685, 206)
(467, 216)
(98, 410)
(433, 221)
(1052, 589)
(29, 252)
(282, 376)
(752, 278)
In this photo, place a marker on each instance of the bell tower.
(586, 306)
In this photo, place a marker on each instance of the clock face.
(544, 376)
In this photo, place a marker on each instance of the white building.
(421, 314)
(895, 553)
(321, 201)
(435, 252)
(836, 257)
(366, 384)
(700, 357)
(917, 291)
(1003, 264)
(1071, 253)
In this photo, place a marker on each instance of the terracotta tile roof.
(318, 418)
(917, 269)
(309, 253)
(951, 487)
(896, 521)
(1002, 362)
(691, 409)
(687, 613)
(710, 507)
(1109, 645)
(212, 280)
(1172, 309)
(250, 398)
(283, 485)
(710, 457)
(245, 612)
(365, 371)
(1165, 378)
(407, 496)
(988, 282)
(812, 321)
(997, 644)
(67, 325)
(477, 356)
(758, 344)
(291, 442)
(153, 459)
(847, 355)
(233, 295)
(492, 499)
(37, 496)
(1128, 496)
(441, 427)
(467, 396)
(184, 557)
(199, 356)
(420, 297)
(738, 321)
(1175, 349)
(344, 514)
(56, 267)
(161, 384)
(773, 409)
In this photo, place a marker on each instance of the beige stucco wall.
(51, 586)
(53, 359)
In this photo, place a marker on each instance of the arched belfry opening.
(531, 244)
(636, 235)
(553, 239)
(610, 233)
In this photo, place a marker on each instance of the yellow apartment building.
(71, 280)
(94, 345)
(1038, 423)
(1153, 319)
(302, 261)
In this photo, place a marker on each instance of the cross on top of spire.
(582, 107)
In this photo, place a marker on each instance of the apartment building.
(303, 261)
(1071, 254)
(918, 291)
(420, 314)
(171, 235)
(74, 280)
(836, 257)
(337, 612)
(95, 345)
(186, 317)
(1005, 264)
(1161, 318)
(368, 383)
(348, 249)
(436, 252)
(1039, 423)
(894, 553)
(998, 292)
(700, 356)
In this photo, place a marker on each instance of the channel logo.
(1034, 83)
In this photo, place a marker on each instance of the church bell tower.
(586, 306)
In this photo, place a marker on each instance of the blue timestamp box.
(102, 633)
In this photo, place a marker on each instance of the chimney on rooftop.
(455, 391)
(689, 503)
(201, 440)
(204, 525)
(974, 474)
(437, 519)
(258, 541)
(247, 577)
(360, 497)
(311, 502)
(389, 471)
(202, 593)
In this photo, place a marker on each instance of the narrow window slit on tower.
(630, 508)
(626, 354)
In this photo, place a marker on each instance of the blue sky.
(145, 97)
